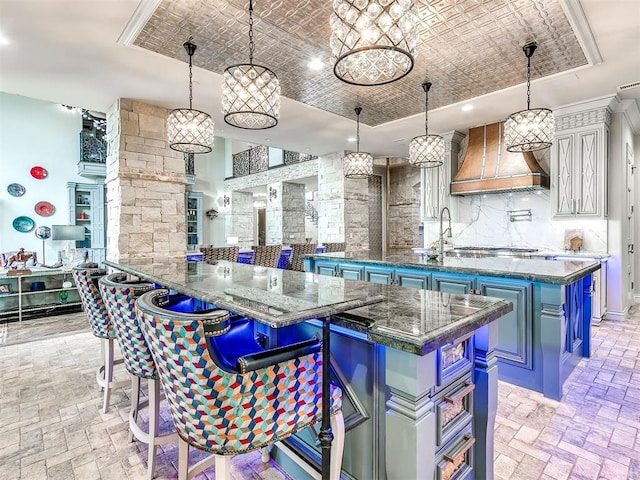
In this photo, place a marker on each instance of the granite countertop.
(533, 269)
(416, 321)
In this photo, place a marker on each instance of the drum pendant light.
(357, 164)
(426, 151)
(531, 129)
(189, 130)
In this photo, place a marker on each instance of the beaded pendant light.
(373, 41)
(250, 93)
(426, 151)
(189, 130)
(357, 164)
(531, 129)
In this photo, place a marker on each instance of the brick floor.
(51, 426)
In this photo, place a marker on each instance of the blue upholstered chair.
(86, 280)
(119, 294)
(227, 395)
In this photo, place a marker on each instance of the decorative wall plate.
(23, 224)
(44, 209)
(16, 190)
(39, 172)
(43, 233)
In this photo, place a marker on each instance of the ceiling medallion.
(427, 150)
(250, 93)
(373, 41)
(357, 164)
(531, 129)
(189, 130)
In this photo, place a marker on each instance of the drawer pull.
(454, 455)
(459, 395)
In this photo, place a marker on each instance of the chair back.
(218, 411)
(335, 246)
(267, 255)
(220, 253)
(300, 249)
(86, 280)
(119, 299)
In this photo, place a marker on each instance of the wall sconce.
(226, 200)
(211, 214)
(273, 193)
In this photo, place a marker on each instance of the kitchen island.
(417, 370)
(544, 337)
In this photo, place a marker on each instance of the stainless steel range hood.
(488, 167)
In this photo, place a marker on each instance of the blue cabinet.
(324, 268)
(413, 278)
(451, 283)
(382, 275)
(351, 271)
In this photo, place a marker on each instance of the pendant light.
(427, 150)
(250, 93)
(189, 130)
(357, 164)
(373, 41)
(531, 129)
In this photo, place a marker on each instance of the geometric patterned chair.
(335, 246)
(267, 255)
(300, 249)
(229, 408)
(119, 294)
(220, 253)
(86, 279)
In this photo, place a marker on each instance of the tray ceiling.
(466, 48)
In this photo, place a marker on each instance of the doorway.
(262, 226)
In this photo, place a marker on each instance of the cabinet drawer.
(455, 461)
(454, 409)
(454, 360)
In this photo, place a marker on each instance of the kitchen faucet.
(447, 230)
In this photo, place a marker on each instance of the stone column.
(145, 184)
(239, 220)
(330, 199)
(356, 214)
(404, 207)
(293, 213)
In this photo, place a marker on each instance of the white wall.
(33, 132)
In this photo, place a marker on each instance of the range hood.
(488, 167)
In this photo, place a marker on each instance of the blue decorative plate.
(23, 224)
(43, 233)
(16, 190)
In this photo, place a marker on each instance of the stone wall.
(404, 207)
(274, 175)
(145, 184)
(293, 213)
(330, 200)
(239, 218)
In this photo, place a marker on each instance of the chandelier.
(189, 130)
(357, 164)
(373, 41)
(427, 150)
(250, 93)
(533, 128)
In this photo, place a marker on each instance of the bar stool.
(297, 263)
(86, 279)
(228, 403)
(267, 255)
(119, 294)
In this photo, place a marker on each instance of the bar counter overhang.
(417, 366)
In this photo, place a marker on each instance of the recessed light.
(467, 107)
(351, 139)
(315, 64)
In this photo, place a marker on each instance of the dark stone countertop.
(416, 321)
(559, 272)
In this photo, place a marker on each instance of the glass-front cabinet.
(193, 221)
(86, 208)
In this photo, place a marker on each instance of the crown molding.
(138, 20)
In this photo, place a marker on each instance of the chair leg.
(154, 420)
(183, 459)
(337, 446)
(108, 374)
(101, 369)
(265, 454)
(223, 467)
(135, 401)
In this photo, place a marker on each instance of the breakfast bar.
(540, 341)
(417, 368)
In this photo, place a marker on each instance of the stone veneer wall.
(404, 207)
(145, 183)
(285, 214)
(239, 218)
(330, 200)
(356, 214)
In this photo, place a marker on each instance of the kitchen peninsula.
(540, 341)
(416, 367)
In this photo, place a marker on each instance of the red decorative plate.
(39, 173)
(44, 209)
